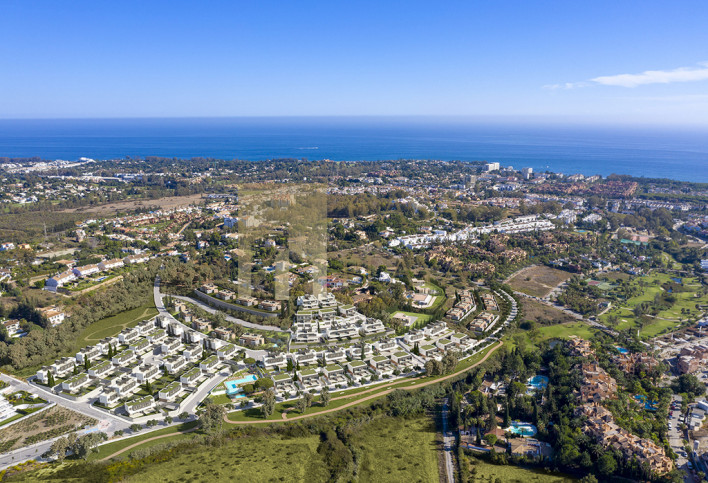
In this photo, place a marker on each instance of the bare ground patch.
(167, 203)
(538, 280)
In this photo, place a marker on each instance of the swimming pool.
(522, 429)
(232, 387)
(537, 382)
(621, 350)
(648, 405)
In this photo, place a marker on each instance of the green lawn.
(402, 450)
(563, 331)
(110, 326)
(484, 471)
(422, 318)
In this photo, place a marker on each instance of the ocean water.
(648, 152)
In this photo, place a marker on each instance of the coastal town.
(565, 314)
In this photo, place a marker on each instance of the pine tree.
(50, 379)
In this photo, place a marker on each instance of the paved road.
(256, 354)
(448, 443)
(107, 423)
(161, 307)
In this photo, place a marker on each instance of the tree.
(86, 444)
(135, 427)
(151, 423)
(490, 439)
(50, 379)
(184, 415)
(308, 399)
(606, 465)
(268, 403)
(264, 383)
(58, 449)
(212, 419)
(325, 397)
(168, 419)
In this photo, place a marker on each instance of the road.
(161, 307)
(448, 443)
(256, 354)
(107, 423)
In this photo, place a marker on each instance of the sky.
(599, 61)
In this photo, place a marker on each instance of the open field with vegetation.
(543, 314)
(481, 470)
(538, 281)
(110, 326)
(259, 459)
(402, 450)
(175, 432)
(48, 424)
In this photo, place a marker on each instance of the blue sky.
(578, 61)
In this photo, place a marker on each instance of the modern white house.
(101, 370)
(123, 358)
(190, 376)
(174, 363)
(75, 383)
(169, 392)
(90, 353)
(209, 364)
(146, 372)
(140, 405)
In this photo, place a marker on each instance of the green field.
(666, 319)
(563, 331)
(391, 449)
(257, 459)
(422, 318)
(484, 471)
(110, 448)
(402, 450)
(110, 326)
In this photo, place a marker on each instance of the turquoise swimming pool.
(522, 429)
(537, 383)
(232, 387)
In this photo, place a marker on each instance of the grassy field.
(402, 450)
(422, 318)
(258, 459)
(110, 326)
(563, 331)
(110, 448)
(666, 319)
(538, 281)
(391, 449)
(483, 471)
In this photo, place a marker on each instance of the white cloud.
(682, 74)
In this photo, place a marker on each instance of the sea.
(650, 152)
